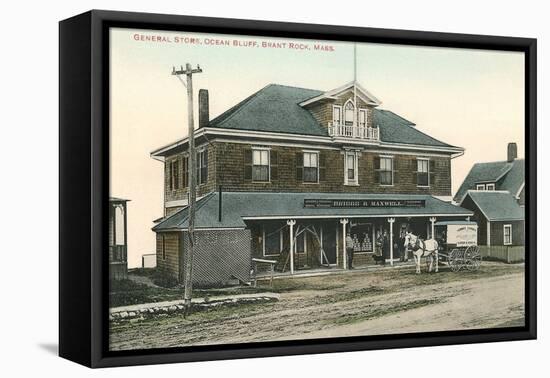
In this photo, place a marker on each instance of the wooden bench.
(255, 263)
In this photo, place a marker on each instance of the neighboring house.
(495, 192)
(118, 242)
(299, 169)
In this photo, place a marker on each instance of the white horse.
(423, 248)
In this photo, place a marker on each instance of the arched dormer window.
(349, 113)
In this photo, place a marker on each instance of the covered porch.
(306, 245)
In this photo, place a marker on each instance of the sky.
(468, 98)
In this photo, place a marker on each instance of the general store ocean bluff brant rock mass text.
(277, 152)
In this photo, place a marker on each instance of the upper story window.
(507, 234)
(386, 170)
(349, 113)
(202, 166)
(423, 172)
(363, 117)
(184, 171)
(351, 171)
(490, 186)
(174, 178)
(336, 115)
(480, 186)
(311, 167)
(260, 165)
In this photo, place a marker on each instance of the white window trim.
(171, 171)
(198, 167)
(303, 167)
(429, 183)
(392, 169)
(509, 226)
(354, 120)
(355, 182)
(268, 164)
(366, 116)
(340, 108)
(492, 185)
(480, 186)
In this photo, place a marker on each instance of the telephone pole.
(188, 278)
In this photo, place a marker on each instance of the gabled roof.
(276, 108)
(497, 205)
(361, 92)
(507, 175)
(240, 206)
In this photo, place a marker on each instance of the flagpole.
(356, 110)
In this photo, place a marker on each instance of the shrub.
(164, 280)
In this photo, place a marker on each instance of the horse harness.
(420, 244)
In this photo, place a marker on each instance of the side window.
(350, 168)
(423, 172)
(260, 165)
(386, 171)
(185, 172)
(202, 166)
(363, 117)
(336, 115)
(311, 167)
(480, 187)
(507, 234)
(174, 175)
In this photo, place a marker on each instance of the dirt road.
(358, 303)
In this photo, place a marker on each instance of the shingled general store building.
(299, 168)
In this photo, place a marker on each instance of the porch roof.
(238, 207)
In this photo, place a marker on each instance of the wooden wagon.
(458, 244)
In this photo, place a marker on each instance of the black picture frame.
(84, 189)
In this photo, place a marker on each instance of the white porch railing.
(353, 131)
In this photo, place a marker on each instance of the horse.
(423, 248)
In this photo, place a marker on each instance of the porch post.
(291, 223)
(390, 221)
(344, 222)
(432, 220)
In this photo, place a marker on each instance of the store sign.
(362, 203)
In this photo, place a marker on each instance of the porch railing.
(353, 131)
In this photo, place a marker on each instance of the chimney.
(512, 152)
(204, 116)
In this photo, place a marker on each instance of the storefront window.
(362, 237)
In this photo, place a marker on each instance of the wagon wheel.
(454, 260)
(473, 258)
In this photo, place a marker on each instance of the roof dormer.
(347, 112)
(353, 88)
